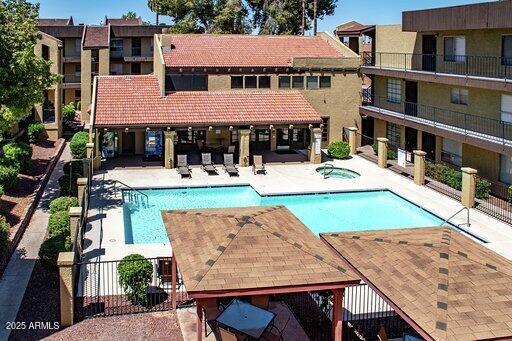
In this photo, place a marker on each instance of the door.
(429, 145)
(429, 50)
(283, 139)
(368, 130)
(128, 143)
(411, 139)
(411, 98)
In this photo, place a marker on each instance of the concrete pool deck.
(104, 237)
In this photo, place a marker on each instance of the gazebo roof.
(251, 250)
(447, 285)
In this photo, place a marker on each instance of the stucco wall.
(390, 38)
(486, 162)
(86, 86)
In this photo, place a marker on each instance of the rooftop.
(123, 22)
(250, 248)
(136, 101)
(209, 50)
(450, 286)
(352, 28)
(96, 36)
(56, 21)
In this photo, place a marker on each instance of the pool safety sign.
(318, 143)
(402, 160)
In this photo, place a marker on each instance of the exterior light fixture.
(147, 129)
(210, 128)
(271, 127)
(310, 126)
(321, 125)
(126, 130)
(189, 128)
(291, 126)
(105, 129)
(251, 127)
(168, 128)
(230, 128)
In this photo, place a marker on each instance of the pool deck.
(104, 237)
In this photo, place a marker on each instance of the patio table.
(246, 318)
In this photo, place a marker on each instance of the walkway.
(19, 270)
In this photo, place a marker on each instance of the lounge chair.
(257, 164)
(231, 149)
(183, 167)
(229, 165)
(207, 164)
(226, 335)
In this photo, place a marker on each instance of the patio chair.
(257, 165)
(164, 271)
(183, 167)
(274, 334)
(229, 165)
(226, 335)
(211, 311)
(261, 301)
(207, 164)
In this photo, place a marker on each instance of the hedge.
(135, 274)
(63, 204)
(74, 167)
(8, 176)
(68, 185)
(58, 223)
(339, 150)
(17, 154)
(35, 132)
(78, 144)
(4, 235)
(68, 111)
(50, 249)
(391, 153)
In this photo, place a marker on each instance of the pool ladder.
(328, 169)
(134, 196)
(467, 223)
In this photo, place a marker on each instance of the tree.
(129, 15)
(23, 75)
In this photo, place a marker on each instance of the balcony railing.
(474, 66)
(491, 130)
(72, 78)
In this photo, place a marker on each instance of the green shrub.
(78, 144)
(68, 111)
(63, 204)
(4, 235)
(18, 154)
(8, 176)
(482, 188)
(339, 150)
(135, 273)
(392, 155)
(35, 132)
(444, 174)
(50, 249)
(58, 223)
(68, 186)
(510, 193)
(74, 167)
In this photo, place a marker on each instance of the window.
(116, 69)
(116, 48)
(136, 47)
(135, 68)
(459, 96)
(251, 82)
(284, 82)
(312, 82)
(186, 82)
(393, 134)
(78, 45)
(237, 82)
(506, 50)
(298, 82)
(455, 49)
(506, 169)
(452, 152)
(78, 69)
(264, 82)
(325, 82)
(78, 96)
(234, 136)
(394, 94)
(325, 129)
(45, 52)
(263, 135)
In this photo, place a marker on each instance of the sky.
(364, 11)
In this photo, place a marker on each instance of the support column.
(74, 220)
(90, 150)
(402, 137)
(419, 140)
(439, 148)
(174, 269)
(97, 153)
(244, 141)
(81, 183)
(382, 152)
(337, 314)
(419, 167)
(468, 186)
(65, 264)
(169, 149)
(199, 312)
(315, 152)
(352, 140)
(273, 139)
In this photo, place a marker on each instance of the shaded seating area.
(256, 256)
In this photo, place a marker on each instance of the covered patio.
(253, 258)
(445, 285)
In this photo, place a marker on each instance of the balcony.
(488, 133)
(480, 71)
(72, 78)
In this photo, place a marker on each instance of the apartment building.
(80, 52)
(217, 92)
(442, 82)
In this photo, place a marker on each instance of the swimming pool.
(327, 212)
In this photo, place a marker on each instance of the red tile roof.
(96, 36)
(136, 101)
(205, 50)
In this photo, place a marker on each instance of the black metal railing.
(104, 287)
(497, 203)
(444, 178)
(72, 78)
(475, 66)
(493, 130)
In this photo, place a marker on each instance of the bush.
(35, 132)
(58, 223)
(444, 174)
(482, 188)
(50, 249)
(18, 154)
(78, 144)
(339, 150)
(74, 167)
(392, 155)
(510, 193)
(135, 273)
(63, 204)
(4, 235)
(68, 111)
(68, 186)
(8, 176)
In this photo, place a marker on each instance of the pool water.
(330, 212)
(340, 173)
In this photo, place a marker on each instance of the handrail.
(132, 189)
(326, 175)
(456, 213)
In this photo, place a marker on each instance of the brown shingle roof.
(123, 22)
(250, 248)
(352, 27)
(96, 36)
(55, 21)
(136, 100)
(451, 286)
(229, 50)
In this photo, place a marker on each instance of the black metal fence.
(444, 178)
(497, 203)
(476, 66)
(106, 288)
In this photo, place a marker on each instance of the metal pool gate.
(100, 290)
